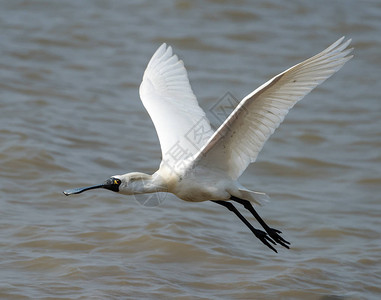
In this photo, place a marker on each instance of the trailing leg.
(258, 233)
(273, 233)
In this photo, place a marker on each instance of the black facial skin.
(112, 184)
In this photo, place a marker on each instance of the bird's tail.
(254, 197)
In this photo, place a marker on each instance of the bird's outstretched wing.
(241, 137)
(180, 123)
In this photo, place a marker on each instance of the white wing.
(166, 94)
(241, 137)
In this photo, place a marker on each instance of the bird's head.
(133, 183)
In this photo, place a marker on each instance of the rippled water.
(70, 115)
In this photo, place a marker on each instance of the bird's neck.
(145, 183)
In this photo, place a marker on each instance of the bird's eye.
(117, 181)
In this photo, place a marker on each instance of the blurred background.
(70, 115)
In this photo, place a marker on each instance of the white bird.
(199, 164)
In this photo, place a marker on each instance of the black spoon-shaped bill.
(111, 184)
(82, 189)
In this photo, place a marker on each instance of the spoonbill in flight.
(199, 164)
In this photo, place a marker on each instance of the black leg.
(274, 233)
(258, 233)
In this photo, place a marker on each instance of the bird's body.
(199, 164)
(198, 184)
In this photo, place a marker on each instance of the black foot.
(265, 239)
(274, 234)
